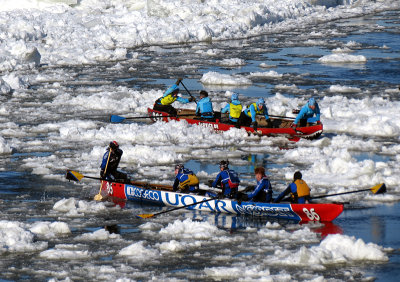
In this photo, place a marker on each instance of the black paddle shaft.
(185, 206)
(188, 92)
(330, 195)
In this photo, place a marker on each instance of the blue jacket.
(205, 108)
(224, 178)
(262, 192)
(253, 112)
(307, 113)
(183, 176)
(227, 109)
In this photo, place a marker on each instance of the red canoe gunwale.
(283, 128)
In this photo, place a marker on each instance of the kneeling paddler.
(298, 190)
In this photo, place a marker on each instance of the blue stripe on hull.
(174, 199)
(140, 194)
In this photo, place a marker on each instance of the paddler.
(263, 191)
(110, 163)
(164, 103)
(204, 107)
(298, 190)
(234, 108)
(185, 180)
(228, 180)
(248, 116)
(306, 114)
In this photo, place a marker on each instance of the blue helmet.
(235, 96)
(260, 101)
(311, 102)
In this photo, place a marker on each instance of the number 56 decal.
(311, 214)
(109, 188)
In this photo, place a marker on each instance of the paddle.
(148, 215)
(281, 117)
(116, 119)
(76, 176)
(99, 197)
(188, 92)
(377, 189)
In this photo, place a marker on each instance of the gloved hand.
(191, 99)
(178, 80)
(318, 122)
(102, 173)
(221, 196)
(293, 125)
(254, 125)
(210, 182)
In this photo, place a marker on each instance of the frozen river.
(55, 117)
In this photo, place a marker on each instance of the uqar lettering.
(270, 211)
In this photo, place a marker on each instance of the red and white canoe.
(281, 125)
(163, 195)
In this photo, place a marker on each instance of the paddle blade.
(379, 189)
(145, 215)
(115, 118)
(74, 176)
(98, 197)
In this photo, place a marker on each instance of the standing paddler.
(164, 103)
(110, 163)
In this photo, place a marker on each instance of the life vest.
(168, 100)
(191, 180)
(232, 179)
(205, 107)
(302, 188)
(235, 110)
(258, 112)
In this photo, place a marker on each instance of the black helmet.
(179, 166)
(114, 145)
(297, 175)
(224, 164)
(204, 93)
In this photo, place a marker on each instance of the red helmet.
(114, 145)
